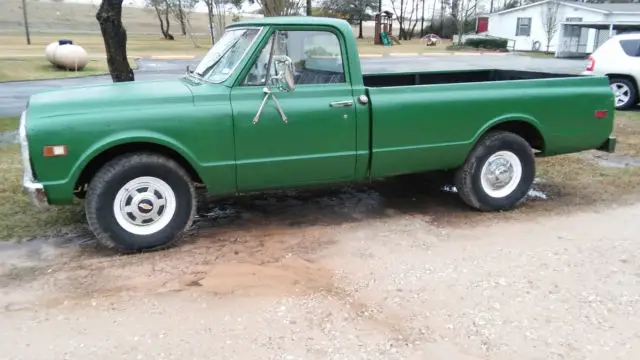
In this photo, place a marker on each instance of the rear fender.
(502, 120)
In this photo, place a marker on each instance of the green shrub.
(484, 43)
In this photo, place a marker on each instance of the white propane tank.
(70, 57)
(50, 51)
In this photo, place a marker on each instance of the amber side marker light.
(54, 150)
(601, 114)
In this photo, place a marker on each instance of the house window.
(523, 27)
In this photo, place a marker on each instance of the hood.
(105, 97)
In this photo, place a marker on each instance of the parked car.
(281, 102)
(619, 59)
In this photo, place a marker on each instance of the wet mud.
(266, 244)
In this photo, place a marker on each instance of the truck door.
(312, 140)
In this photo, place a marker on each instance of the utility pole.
(26, 21)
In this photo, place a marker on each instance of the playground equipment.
(430, 40)
(383, 34)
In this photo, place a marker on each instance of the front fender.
(128, 137)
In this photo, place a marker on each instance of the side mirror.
(285, 79)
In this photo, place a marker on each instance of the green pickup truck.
(281, 102)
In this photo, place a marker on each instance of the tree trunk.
(162, 30)
(422, 21)
(309, 8)
(209, 4)
(181, 18)
(166, 21)
(109, 17)
(360, 29)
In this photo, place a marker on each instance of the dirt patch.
(268, 261)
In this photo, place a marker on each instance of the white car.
(619, 59)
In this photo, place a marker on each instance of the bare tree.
(163, 10)
(405, 14)
(550, 23)
(462, 11)
(216, 10)
(181, 9)
(279, 7)
(109, 17)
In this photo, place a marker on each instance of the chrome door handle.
(346, 103)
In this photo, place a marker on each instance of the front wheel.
(140, 202)
(498, 172)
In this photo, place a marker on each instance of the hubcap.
(501, 174)
(621, 92)
(144, 205)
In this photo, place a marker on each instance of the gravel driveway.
(340, 276)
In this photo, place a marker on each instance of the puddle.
(532, 194)
(9, 137)
(617, 160)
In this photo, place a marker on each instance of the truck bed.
(413, 120)
(455, 76)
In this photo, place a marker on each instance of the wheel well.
(525, 130)
(626, 77)
(97, 162)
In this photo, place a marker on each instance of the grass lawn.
(36, 68)
(574, 180)
(27, 62)
(536, 54)
(9, 124)
(18, 219)
(138, 45)
(366, 46)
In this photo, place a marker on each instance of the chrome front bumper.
(34, 190)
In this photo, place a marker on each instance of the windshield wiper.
(208, 68)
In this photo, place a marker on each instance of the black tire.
(110, 179)
(468, 177)
(633, 92)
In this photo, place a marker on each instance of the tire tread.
(463, 178)
(105, 174)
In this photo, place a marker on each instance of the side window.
(316, 55)
(631, 47)
(523, 26)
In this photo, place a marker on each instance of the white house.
(574, 28)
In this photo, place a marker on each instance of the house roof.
(601, 8)
(615, 8)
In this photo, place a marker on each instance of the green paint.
(403, 129)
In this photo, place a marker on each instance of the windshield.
(223, 57)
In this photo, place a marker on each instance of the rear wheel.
(140, 202)
(498, 172)
(625, 93)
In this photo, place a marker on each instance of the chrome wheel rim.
(144, 205)
(501, 174)
(621, 92)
